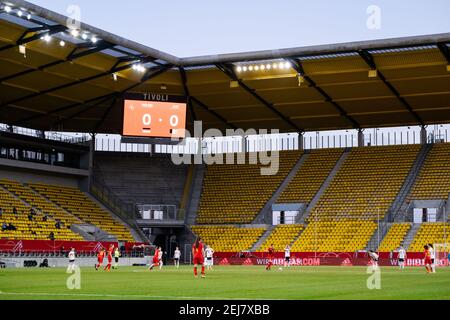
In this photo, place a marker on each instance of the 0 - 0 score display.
(154, 119)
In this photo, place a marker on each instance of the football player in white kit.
(176, 257)
(71, 266)
(401, 258)
(160, 254)
(287, 256)
(433, 257)
(209, 258)
(374, 258)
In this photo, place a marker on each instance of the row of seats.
(321, 236)
(394, 237)
(433, 181)
(81, 206)
(236, 193)
(310, 176)
(227, 238)
(44, 205)
(430, 232)
(26, 229)
(367, 183)
(281, 235)
(335, 236)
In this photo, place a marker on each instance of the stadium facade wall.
(39, 167)
(27, 176)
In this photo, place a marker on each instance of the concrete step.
(411, 235)
(298, 236)
(325, 185)
(138, 236)
(378, 236)
(397, 209)
(195, 195)
(263, 238)
(265, 215)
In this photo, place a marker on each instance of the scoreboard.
(154, 115)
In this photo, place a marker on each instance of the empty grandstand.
(236, 193)
(394, 237)
(311, 176)
(229, 238)
(433, 181)
(344, 192)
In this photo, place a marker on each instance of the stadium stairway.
(378, 237)
(263, 238)
(91, 232)
(411, 235)
(136, 235)
(84, 231)
(265, 215)
(195, 195)
(446, 209)
(324, 186)
(296, 238)
(398, 210)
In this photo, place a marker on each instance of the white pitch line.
(123, 296)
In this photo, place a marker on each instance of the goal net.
(441, 252)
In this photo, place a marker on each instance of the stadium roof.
(79, 86)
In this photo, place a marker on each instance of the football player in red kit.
(110, 253)
(427, 259)
(155, 262)
(198, 254)
(100, 257)
(270, 252)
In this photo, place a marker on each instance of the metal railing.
(159, 212)
(54, 136)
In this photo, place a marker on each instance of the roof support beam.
(71, 57)
(370, 61)
(62, 20)
(23, 40)
(198, 102)
(151, 73)
(444, 50)
(296, 64)
(70, 84)
(186, 92)
(105, 115)
(232, 75)
(218, 116)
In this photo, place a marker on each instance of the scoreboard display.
(156, 116)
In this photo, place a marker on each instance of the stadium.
(336, 156)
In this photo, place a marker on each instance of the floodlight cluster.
(75, 33)
(263, 67)
(20, 13)
(47, 37)
(139, 67)
(83, 35)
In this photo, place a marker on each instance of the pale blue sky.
(198, 27)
